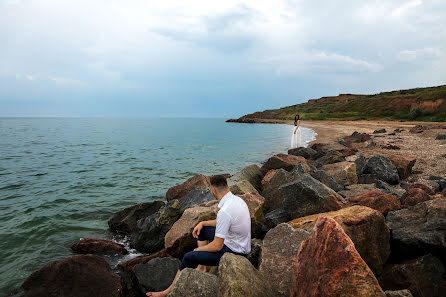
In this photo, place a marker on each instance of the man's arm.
(211, 223)
(213, 246)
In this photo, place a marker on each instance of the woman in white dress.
(295, 137)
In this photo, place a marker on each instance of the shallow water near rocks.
(62, 178)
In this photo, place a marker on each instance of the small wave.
(13, 186)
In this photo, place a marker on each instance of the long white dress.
(295, 138)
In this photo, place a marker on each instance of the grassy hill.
(421, 104)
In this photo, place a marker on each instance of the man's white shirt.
(234, 223)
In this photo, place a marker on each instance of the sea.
(62, 178)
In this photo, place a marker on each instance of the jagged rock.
(440, 137)
(280, 247)
(237, 277)
(305, 152)
(274, 218)
(422, 276)
(271, 193)
(250, 173)
(241, 187)
(329, 158)
(154, 276)
(179, 239)
(194, 183)
(414, 196)
(383, 168)
(195, 283)
(326, 179)
(255, 204)
(307, 196)
(98, 246)
(344, 173)
(256, 251)
(385, 187)
(125, 220)
(356, 189)
(377, 200)
(194, 198)
(150, 233)
(365, 226)
(419, 229)
(328, 265)
(287, 162)
(403, 165)
(127, 266)
(399, 293)
(78, 275)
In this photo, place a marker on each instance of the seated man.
(230, 232)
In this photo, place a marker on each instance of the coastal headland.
(360, 211)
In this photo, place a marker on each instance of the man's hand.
(197, 230)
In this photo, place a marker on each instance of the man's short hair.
(219, 181)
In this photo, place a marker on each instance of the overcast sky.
(210, 58)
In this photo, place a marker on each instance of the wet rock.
(274, 218)
(399, 293)
(150, 233)
(191, 282)
(344, 173)
(414, 196)
(241, 187)
(380, 131)
(305, 152)
(280, 247)
(440, 137)
(256, 251)
(255, 204)
(328, 265)
(250, 173)
(79, 275)
(124, 221)
(422, 276)
(403, 164)
(365, 226)
(386, 188)
(237, 277)
(307, 196)
(326, 179)
(194, 198)
(329, 158)
(287, 162)
(98, 246)
(194, 183)
(419, 229)
(377, 200)
(127, 265)
(154, 276)
(356, 189)
(383, 168)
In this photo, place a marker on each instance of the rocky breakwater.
(326, 221)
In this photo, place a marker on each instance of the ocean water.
(62, 178)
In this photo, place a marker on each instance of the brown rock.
(79, 275)
(366, 228)
(403, 164)
(329, 265)
(194, 183)
(287, 162)
(377, 200)
(127, 266)
(255, 204)
(268, 177)
(98, 246)
(414, 196)
(424, 187)
(436, 196)
(280, 247)
(344, 173)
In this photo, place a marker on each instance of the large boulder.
(154, 276)
(196, 197)
(98, 246)
(196, 182)
(328, 264)
(79, 275)
(404, 165)
(422, 276)
(255, 204)
(179, 239)
(307, 196)
(280, 247)
(356, 189)
(274, 218)
(287, 162)
(124, 221)
(268, 177)
(127, 265)
(383, 168)
(237, 278)
(329, 158)
(377, 200)
(150, 233)
(271, 193)
(305, 152)
(250, 173)
(241, 187)
(414, 196)
(419, 229)
(366, 228)
(326, 179)
(192, 282)
(361, 163)
(344, 173)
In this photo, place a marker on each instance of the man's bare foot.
(201, 268)
(157, 294)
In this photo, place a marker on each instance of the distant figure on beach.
(230, 232)
(295, 137)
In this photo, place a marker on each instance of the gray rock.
(305, 152)
(149, 236)
(356, 189)
(361, 163)
(241, 187)
(250, 173)
(192, 282)
(383, 168)
(274, 218)
(440, 137)
(256, 250)
(386, 188)
(124, 221)
(154, 276)
(399, 293)
(379, 131)
(326, 179)
(329, 158)
(307, 196)
(367, 179)
(194, 198)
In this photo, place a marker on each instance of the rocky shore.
(361, 211)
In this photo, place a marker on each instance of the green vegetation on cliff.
(421, 104)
